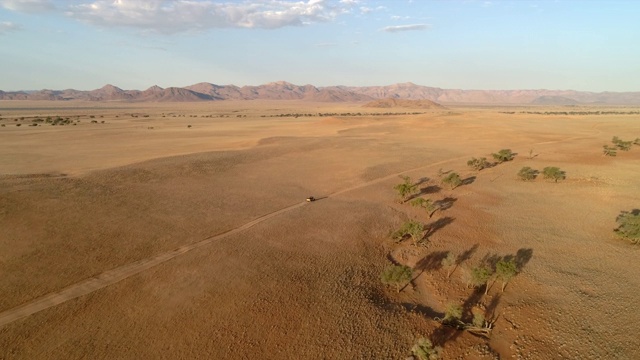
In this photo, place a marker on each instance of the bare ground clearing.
(79, 200)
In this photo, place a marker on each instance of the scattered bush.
(406, 189)
(527, 173)
(424, 350)
(480, 276)
(426, 204)
(554, 173)
(629, 226)
(505, 270)
(503, 155)
(411, 228)
(478, 164)
(620, 144)
(398, 275)
(189, 126)
(453, 179)
(609, 150)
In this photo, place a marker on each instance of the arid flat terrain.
(181, 230)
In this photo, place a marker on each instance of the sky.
(490, 45)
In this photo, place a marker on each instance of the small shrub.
(453, 313)
(424, 350)
(453, 179)
(609, 150)
(18, 124)
(503, 155)
(478, 164)
(553, 173)
(189, 126)
(397, 275)
(629, 226)
(406, 189)
(527, 173)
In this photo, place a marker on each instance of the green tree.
(453, 313)
(412, 228)
(629, 226)
(426, 204)
(609, 150)
(554, 173)
(453, 180)
(406, 189)
(450, 263)
(480, 276)
(505, 270)
(527, 173)
(398, 275)
(424, 350)
(503, 155)
(478, 164)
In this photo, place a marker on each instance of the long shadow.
(445, 204)
(467, 254)
(437, 225)
(422, 310)
(432, 261)
(522, 257)
(468, 180)
(431, 189)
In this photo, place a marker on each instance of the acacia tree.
(412, 228)
(424, 350)
(629, 226)
(450, 263)
(505, 270)
(503, 155)
(609, 150)
(480, 275)
(478, 164)
(426, 204)
(398, 275)
(453, 180)
(406, 189)
(527, 173)
(554, 173)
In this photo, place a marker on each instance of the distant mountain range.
(282, 90)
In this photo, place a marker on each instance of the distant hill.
(554, 100)
(282, 90)
(402, 103)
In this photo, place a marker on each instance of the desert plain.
(181, 231)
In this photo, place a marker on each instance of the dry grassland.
(127, 228)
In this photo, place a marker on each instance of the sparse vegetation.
(503, 155)
(478, 164)
(412, 228)
(480, 275)
(396, 275)
(426, 204)
(527, 173)
(622, 145)
(505, 270)
(450, 263)
(554, 173)
(609, 150)
(453, 313)
(452, 179)
(406, 189)
(424, 350)
(629, 226)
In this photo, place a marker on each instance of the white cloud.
(7, 26)
(173, 16)
(28, 6)
(406, 27)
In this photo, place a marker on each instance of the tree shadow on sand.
(432, 261)
(445, 204)
(433, 227)
(468, 181)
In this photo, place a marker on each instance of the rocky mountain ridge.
(282, 90)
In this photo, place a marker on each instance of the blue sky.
(133, 44)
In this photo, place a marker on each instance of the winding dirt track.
(114, 275)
